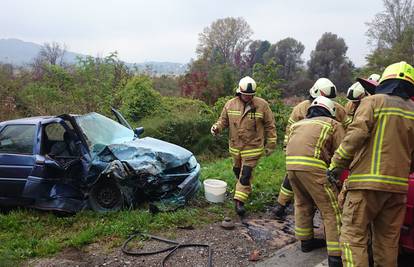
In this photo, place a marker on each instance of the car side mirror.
(138, 131)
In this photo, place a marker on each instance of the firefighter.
(378, 148)
(322, 87)
(252, 133)
(354, 95)
(359, 90)
(310, 145)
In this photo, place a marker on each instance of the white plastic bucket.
(214, 190)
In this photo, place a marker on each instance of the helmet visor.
(369, 85)
(332, 92)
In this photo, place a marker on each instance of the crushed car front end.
(151, 170)
(138, 169)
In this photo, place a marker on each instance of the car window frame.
(59, 120)
(35, 135)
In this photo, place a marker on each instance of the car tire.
(105, 196)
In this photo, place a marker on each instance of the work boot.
(279, 212)
(334, 261)
(311, 244)
(239, 207)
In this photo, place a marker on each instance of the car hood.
(150, 155)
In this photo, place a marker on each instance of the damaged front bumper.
(189, 187)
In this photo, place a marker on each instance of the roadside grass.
(26, 233)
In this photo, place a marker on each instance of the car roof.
(29, 120)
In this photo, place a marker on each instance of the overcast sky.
(162, 30)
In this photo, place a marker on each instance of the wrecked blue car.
(72, 162)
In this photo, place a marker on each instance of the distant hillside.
(160, 68)
(18, 52)
(21, 53)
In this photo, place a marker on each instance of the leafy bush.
(187, 123)
(38, 99)
(139, 99)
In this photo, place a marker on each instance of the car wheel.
(105, 196)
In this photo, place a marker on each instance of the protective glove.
(333, 175)
(214, 130)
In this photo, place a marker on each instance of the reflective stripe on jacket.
(300, 110)
(251, 127)
(312, 142)
(379, 144)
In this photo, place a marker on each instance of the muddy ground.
(254, 239)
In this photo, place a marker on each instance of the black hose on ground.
(172, 249)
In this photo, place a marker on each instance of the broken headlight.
(192, 163)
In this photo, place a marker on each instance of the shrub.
(187, 123)
(139, 99)
(37, 99)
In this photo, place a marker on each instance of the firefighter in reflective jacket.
(322, 87)
(252, 133)
(310, 146)
(378, 149)
(357, 91)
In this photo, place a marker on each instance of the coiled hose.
(175, 246)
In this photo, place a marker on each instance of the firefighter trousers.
(311, 189)
(285, 194)
(243, 169)
(384, 211)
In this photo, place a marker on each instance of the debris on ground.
(255, 255)
(227, 224)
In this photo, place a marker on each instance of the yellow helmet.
(401, 70)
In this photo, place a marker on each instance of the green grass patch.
(28, 233)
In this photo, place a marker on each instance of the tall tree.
(329, 60)
(391, 34)
(224, 39)
(49, 54)
(388, 27)
(208, 81)
(52, 53)
(287, 53)
(254, 54)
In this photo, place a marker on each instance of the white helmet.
(374, 77)
(247, 86)
(323, 87)
(356, 92)
(326, 103)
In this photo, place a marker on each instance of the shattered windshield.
(101, 131)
